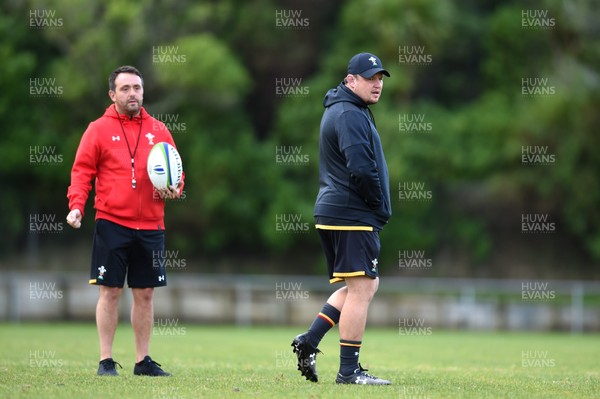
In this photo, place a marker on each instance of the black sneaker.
(107, 367)
(307, 357)
(149, 367)
(360, 377)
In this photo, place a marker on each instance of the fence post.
(577, 295)
(12, 299)
(243, 304)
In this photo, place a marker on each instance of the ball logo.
(158, 169)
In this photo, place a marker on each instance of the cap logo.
(373, 60)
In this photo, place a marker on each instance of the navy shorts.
(350, 253)
(119, 251)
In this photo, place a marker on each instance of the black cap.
(366, 65)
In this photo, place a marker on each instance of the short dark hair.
(122, 69)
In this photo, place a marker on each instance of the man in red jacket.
(129, 231)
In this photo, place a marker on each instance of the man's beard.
(132, 108)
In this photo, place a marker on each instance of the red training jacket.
(103, 155)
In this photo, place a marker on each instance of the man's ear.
(350, 81)
(111, 94)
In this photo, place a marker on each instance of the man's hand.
(74, 218)
(171, 193)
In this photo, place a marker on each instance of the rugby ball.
(164, 166)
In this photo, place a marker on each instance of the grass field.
(60, 361)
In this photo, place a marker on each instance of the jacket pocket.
(120, 199)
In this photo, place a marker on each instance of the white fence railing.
(482, 304)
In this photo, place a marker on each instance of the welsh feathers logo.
(150, 138)
(374, 263)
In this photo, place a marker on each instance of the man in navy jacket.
(352, 206)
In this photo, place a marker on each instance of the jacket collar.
(111, 112)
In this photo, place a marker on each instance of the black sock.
(349, 351)
(328, 317)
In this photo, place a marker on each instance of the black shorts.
(350, 253)
(119, 251)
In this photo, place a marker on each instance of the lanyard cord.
(132, 155)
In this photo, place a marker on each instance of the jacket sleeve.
(84, 170)
(355, 143)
